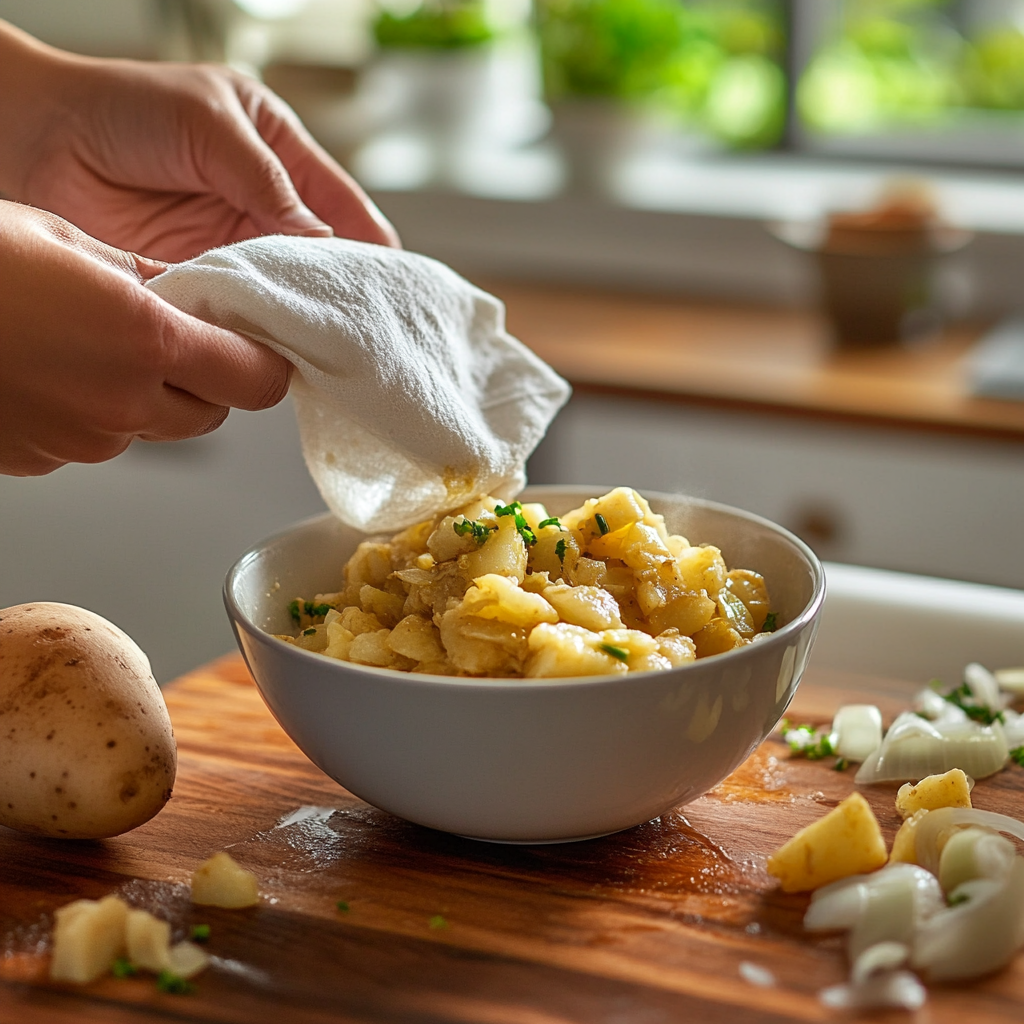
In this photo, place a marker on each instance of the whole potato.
(86, 746)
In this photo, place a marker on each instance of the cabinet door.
(923, 503)
(147, 538)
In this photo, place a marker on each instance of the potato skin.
(86, 745)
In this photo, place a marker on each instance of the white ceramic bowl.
(527, 761)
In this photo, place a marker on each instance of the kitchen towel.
(411, 397)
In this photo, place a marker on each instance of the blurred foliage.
(440, 24)
(714, 65)
(894, 62)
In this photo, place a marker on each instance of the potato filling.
(500, 590)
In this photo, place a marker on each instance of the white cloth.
(411, 397)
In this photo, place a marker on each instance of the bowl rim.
(426, 680)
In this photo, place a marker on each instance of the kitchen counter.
(766, 359)
(652, 924)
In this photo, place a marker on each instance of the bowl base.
(539, 842)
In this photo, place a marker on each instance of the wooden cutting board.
(645, 926)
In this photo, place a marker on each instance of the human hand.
(90, 359)
(167, 160)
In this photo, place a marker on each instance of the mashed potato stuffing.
(506, 591)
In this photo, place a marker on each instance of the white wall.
(99, 27)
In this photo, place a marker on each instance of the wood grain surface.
(646, 926)
(753, 357)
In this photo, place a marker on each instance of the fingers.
(319, 179)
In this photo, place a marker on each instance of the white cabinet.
(146, 539)
(918, 502)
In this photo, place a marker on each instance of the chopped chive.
(168, 981)
(294, 611)
(616, 652)
(841, 764)
(122, 967)
(770, 623)
(342, 906)
(560, 551)
(511, 509)
(963, 698)
(313, 610)
(309, 632)
(479, 531)
(200, 933)
(553, 521)
(602, 524)
(1018, 755)
(437, 922)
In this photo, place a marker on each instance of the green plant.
(437, 24)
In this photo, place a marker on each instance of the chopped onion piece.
(973, 853)
(757, 975)
(914, 748)
(978, 936)
(860, 901)
(883, 956)
(934, 706)
(858, 730)
(934, 823)
(1010, 679)
(984, 686)
(897, 989)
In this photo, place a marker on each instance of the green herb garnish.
(957, 898)
(620, 653)
(122, 967)
(771, 621)
(479, 531)
(560, 551)
(313, 610)
(516, 509)
(963, 698)
(295, 611)
(309, 632)
(602, 524)
(841, 764)
(806, 741)
(1017, 755)
(168, 981)
(200, 933)
(553, 521)
(437, 922)
(342, 906)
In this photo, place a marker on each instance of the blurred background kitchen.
(777, 245)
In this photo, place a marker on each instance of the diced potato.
(642, 547)
(949, 790)
(482, 647)
(502, 554)
(751, 589)
(313, 638)
(534, 513)
(702, 568)
(565, 650)
(544, 555)
(678, 649)
(387, 607)
(904, 844)
(148, 941)
(716, 637)
(372, 649)
(222, 882)
(356, 621)
(416, 637)
(591, 607)
(498, 597)
(88, 937)
(445, 544)
(339, 641)
(411, 543)
(847, 841)
(371, 564)
(588, 572)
